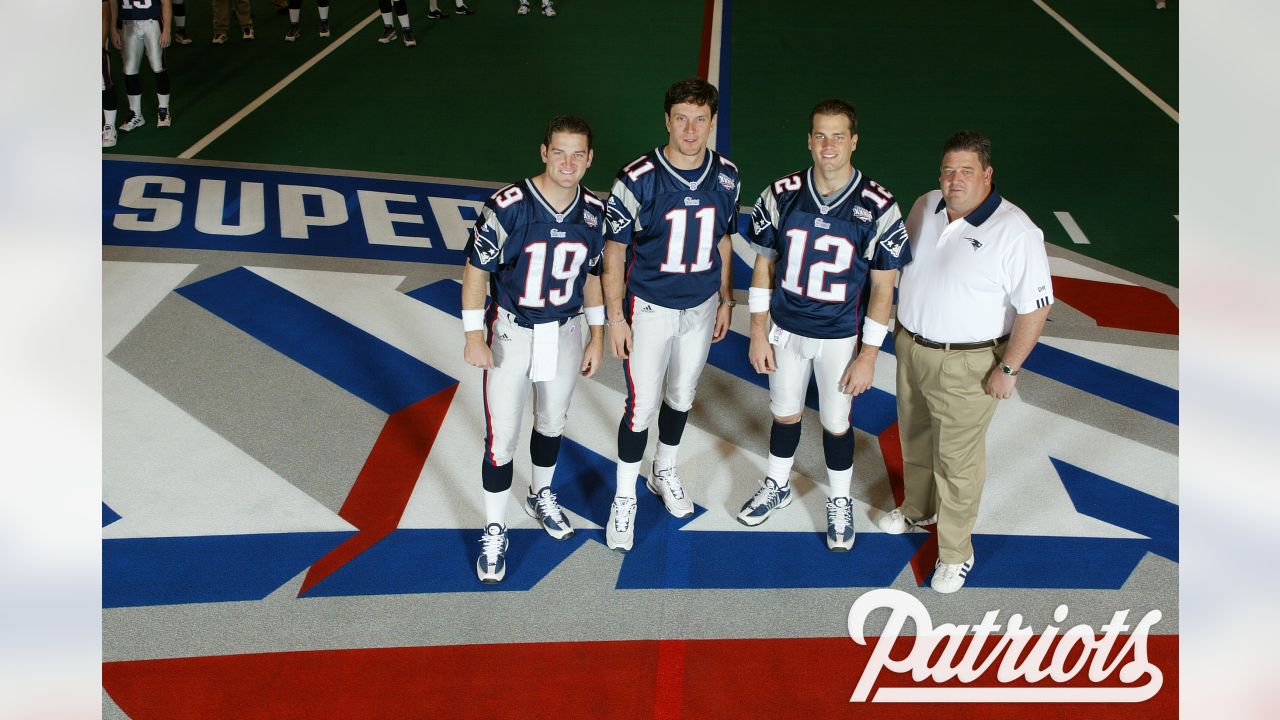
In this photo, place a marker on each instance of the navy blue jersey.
(824, 253)
(139, 10)
(537, 259)
(672, 227)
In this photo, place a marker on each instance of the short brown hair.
(835, 107)
(567, 124)
(971, 141)
(694, 91)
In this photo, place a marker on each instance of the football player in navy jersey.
(668, 291)
(537, 247)
(830, 241)
(141, 27)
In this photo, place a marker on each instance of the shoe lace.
(548, 506)
(669, 478)
(623, 512)
(491, 544)
(767, 495)
(839, 516)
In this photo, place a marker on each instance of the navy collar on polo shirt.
(979, 214)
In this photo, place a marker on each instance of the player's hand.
(723, 316)
(998, 385)
(620, 340)
(164, 38)
(760, 353)
(115, 39)
(593, 356)
(477, 353)
(858, 375)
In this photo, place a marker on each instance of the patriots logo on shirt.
(895, 239)
(975, 243)
(617, 221)
(863, 214)
(759, 221)
(558, 233)
(485, 249)
(726, 181)
(822, 224)
(691, 202)
(590, 219)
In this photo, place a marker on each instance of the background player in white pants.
(668, 291)
(144, 29)
(830, 240)
(538, 247)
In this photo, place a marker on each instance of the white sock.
(840, 481)
(324, 14)
(110, 117)
(495, 507)
(162, 101)
(627, 473)
(404, 22)
(295, 16)
(386, 19)
(542, 477)
(780, 469)
(434, 7)
(135, 104)
(665, 455)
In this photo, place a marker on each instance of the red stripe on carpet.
(891, 449)
(923, 561)
(763, 678)
(1128, 307)
(669, 695)
(704, 53)
(385, 483)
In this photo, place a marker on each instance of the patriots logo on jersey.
(590, 219)
(558, 233)
(864, 215)
(726, 182)
(759, 221)
(691, 202)
(486, 249)
(617, 221)
(821, 224)
(895, 239)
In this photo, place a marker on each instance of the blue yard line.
(1106, 382)
(1122, 506)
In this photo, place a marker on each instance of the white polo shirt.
(968, 279)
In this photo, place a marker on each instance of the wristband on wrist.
(595, 314)
(873, 332)
(758, 299)
(472, 320)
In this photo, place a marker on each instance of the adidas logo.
(503, 336)
(647, 309)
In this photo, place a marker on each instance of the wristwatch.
(730, 302)
(1008, 370)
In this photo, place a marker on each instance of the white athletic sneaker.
(523, 9)
(108, 136)
(491, 566)
(133, 123)
(895, 523)
(542, 506)
(771, 496)
(948, 578)
(620, 532)
(548, 10)
(665, 484)
(163, 118)
(839, 524)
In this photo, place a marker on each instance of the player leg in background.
(788, 385)
(837, 439)
(460, 8)
(506, 389)
(652, 331)
(388, 29)
(689, 350)
(180, 35)
(109, 104)
(547, 8)
(295, 19)
(550, 412)
(131, 51)
(155, 56)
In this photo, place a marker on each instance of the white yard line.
(271, 92)
(1069, 224)
(1146, 91)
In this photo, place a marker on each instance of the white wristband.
(472, 320)
(595, 314)
(873, 332)
(758, 299)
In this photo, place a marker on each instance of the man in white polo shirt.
(971, 306)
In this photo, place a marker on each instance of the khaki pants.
(943, 414)
(222, 15)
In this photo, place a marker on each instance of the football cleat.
(523, 9)
(133, 123)
(246, 33)
(948, 577)
(771, 496)
(324, 28)
(294, 33)
(108, 136)
(219, 38)
(388, 34)
(665, 483)
(548, 10)
(543, 507)
(620, 531)
(491, 566)
(181, 37)
(163, 118)
(840, 524)
(463, 10)
(408, 38)
(436, 15)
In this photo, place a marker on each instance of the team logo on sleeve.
(486, 249)
(759, 221)
(894, 239)
(617, 220)
(863, 215)
(726, 182)
(590, 219)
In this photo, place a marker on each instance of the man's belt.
(922, 340)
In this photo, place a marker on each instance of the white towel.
(546, 350)
(805, 347)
